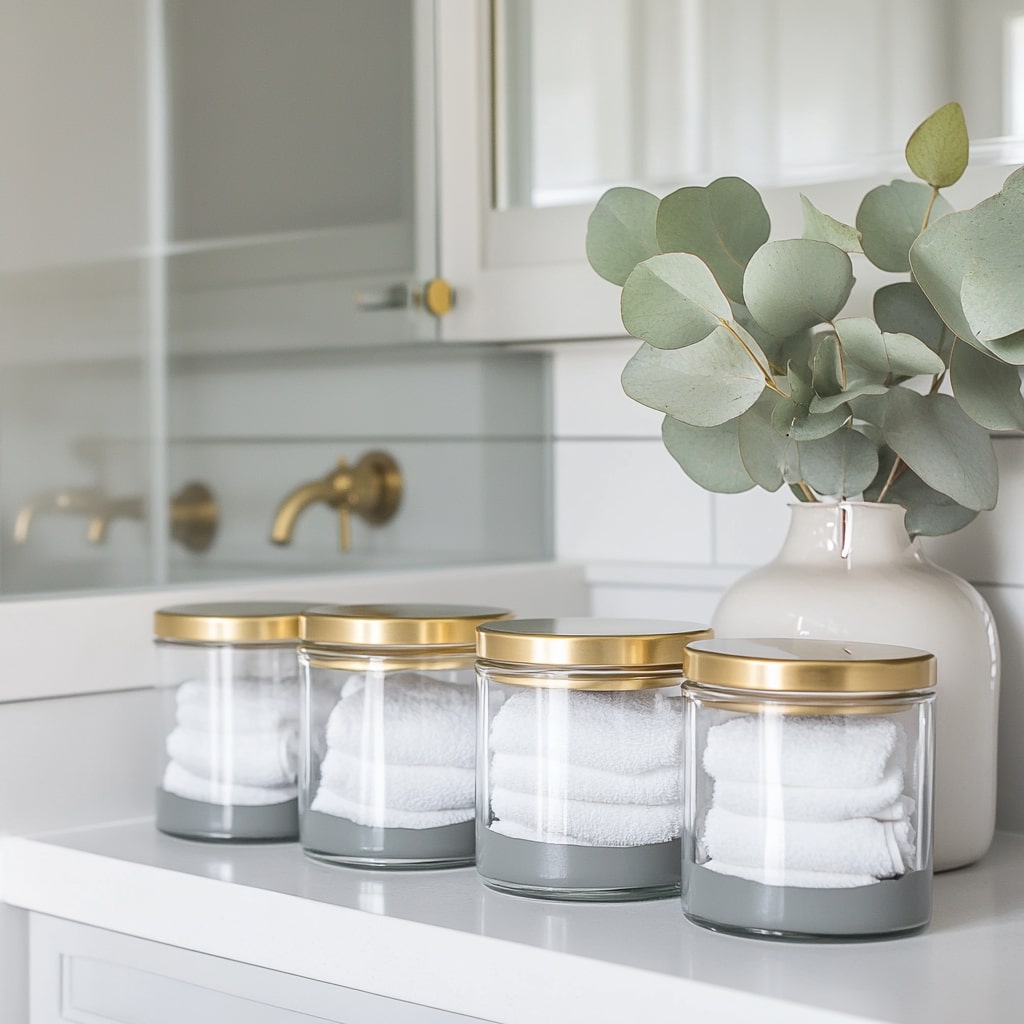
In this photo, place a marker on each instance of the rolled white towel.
(828, 750)
(560, 781)
(244, 706)
(328, 802)
(883, 801)
(248, 759)
(586, 823)
(618, 732)
(183, 783)
(790, 878)
(418, 787)
(858, 846)
(410, 719)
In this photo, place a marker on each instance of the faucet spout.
(295, 503)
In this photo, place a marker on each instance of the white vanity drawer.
(86, 975)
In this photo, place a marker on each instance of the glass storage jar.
(389, 734)
(229, 677)
(807, 810)
(578, 786)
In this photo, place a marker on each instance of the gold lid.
(230, 622)
(802, 665)
(396, 625)
(594, 643)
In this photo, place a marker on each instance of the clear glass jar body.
(230, 720)
(808, 817)
(388, 752)
(578, 782)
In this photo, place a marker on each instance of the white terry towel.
(827, 750)
(419, 787)
(883, 801)
(858, 846)
(788, 877)
(183, 783)
(557, 780)
(245, 706)
(328, 802)
(411, 719)
(587, 823)
(618, 732)
(247, 759)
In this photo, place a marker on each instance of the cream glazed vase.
(849, 571)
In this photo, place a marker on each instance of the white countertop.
(441, 938)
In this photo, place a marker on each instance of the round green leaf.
(895, 354)
(986, 389)
(822, 228)
(723, 223)
(840, 465)
(969, 265)
(902, 308)
(672, 301)
(795, 284)
(826, 403)
(704, 384)
(826, 367)
(795, 421)
(891, 217)
(929, 513)
(761, 448)
(939, 148)
(710, 456)
(621, 232)
(949, 451)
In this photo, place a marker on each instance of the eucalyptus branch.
(769, 381)
(897, 468)
(928, 211)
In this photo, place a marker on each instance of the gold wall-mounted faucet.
(194, 513)
(371, 489)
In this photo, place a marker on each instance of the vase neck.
(845, 533)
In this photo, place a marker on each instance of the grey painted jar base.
(897, 906)
(556, 871)
(226, 823)
(335, 840)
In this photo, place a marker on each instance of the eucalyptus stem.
(769, 381)
(802, 491)
(931, 204)
(897, 467)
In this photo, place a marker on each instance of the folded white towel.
(183, 783)
(587, 823)
(858, 846)
(883, 801)
(410, 719)
(248, 759)
(417, 787)
(328, 802)
(245, 706)
(790, 878)
(559, 781)
(618, 732)
(827, 750)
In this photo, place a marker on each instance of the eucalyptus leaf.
(710, 456)
(841, 465)
(988, 390)
(704, 384)
(969, 265)
(929, 513)
(621, 232)
(939, 148)
(797, 422)
(822, 228)
(891, 217)
(949, 451)
(895, 354)
(673, 300)
(795, 284)
(826, 403)
(902, 308)
(827, 373)
(723, 223)
(761, 448)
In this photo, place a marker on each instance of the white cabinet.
(84, 975)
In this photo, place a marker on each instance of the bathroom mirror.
(662, 93)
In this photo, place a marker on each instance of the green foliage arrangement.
(764, 383)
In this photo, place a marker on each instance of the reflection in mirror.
(660, 93)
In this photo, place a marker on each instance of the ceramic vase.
(850, 571)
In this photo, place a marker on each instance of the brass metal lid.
(802, 665)
(396, 625)
(230, 622)
(590, 642)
